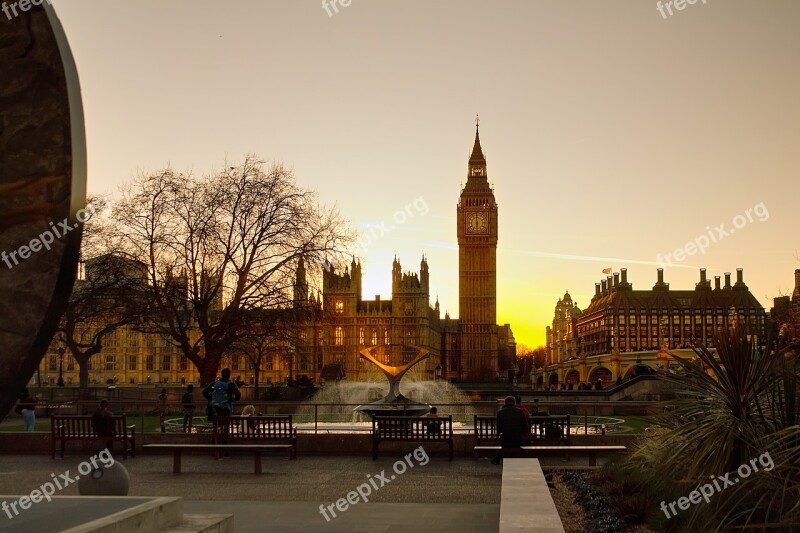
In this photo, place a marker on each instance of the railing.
(316, 417)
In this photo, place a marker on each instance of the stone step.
(201, 523)
(150, 515)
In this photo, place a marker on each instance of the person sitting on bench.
(511, 426)
(103, 423)
(434, 427)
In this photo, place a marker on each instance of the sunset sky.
(612, 134)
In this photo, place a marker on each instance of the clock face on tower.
(477, 223)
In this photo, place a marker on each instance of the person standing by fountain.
(222, 393)
(27, 408)
(188, 408)
(161, 407)
(511, 426)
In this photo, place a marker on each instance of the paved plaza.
(463, 495)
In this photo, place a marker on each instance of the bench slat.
(64, 428)
(411, 429)
(257, 429)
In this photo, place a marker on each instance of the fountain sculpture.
(394, 403)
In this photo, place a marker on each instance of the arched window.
(339, 336)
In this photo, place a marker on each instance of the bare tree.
(218, 247)
(268, 331)
(100, 302)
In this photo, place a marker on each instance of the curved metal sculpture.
(394, 402)
(42, 185)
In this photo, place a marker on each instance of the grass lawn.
(636, 424)
(151, 424)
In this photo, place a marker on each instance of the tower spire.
(477, 153)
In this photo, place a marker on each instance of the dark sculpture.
(42, 185)
(394, 403)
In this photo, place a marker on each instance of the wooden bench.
(545, 430)
(537, 451)
(64, 428)
(178, 448)
(550, 435)
(411, 429)
(272, 429)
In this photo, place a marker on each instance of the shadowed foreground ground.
(288, 495)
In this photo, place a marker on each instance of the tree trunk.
(83, 372)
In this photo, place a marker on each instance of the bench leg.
(176, 461)
(258, 462)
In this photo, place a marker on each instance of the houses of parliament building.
(341, 322)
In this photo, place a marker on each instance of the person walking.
(161, 408)
(188, 408)
(27, 408)
(511, 426)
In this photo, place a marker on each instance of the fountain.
(394, 403)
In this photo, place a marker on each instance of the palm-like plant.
(735, 405)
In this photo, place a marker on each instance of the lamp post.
(437, 372)
(60, 382)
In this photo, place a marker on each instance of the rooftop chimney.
(660, 283)
(740, 278)
(616, 279)
(727, 280)
(624, 272)
(603, 283)
(596, 289)
(704, 283)
(716, 283)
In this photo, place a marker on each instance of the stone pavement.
(462, 495)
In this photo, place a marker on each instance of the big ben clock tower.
(477, 266)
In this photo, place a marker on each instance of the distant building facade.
(562, 335)
(622, 328)
(786, 308)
